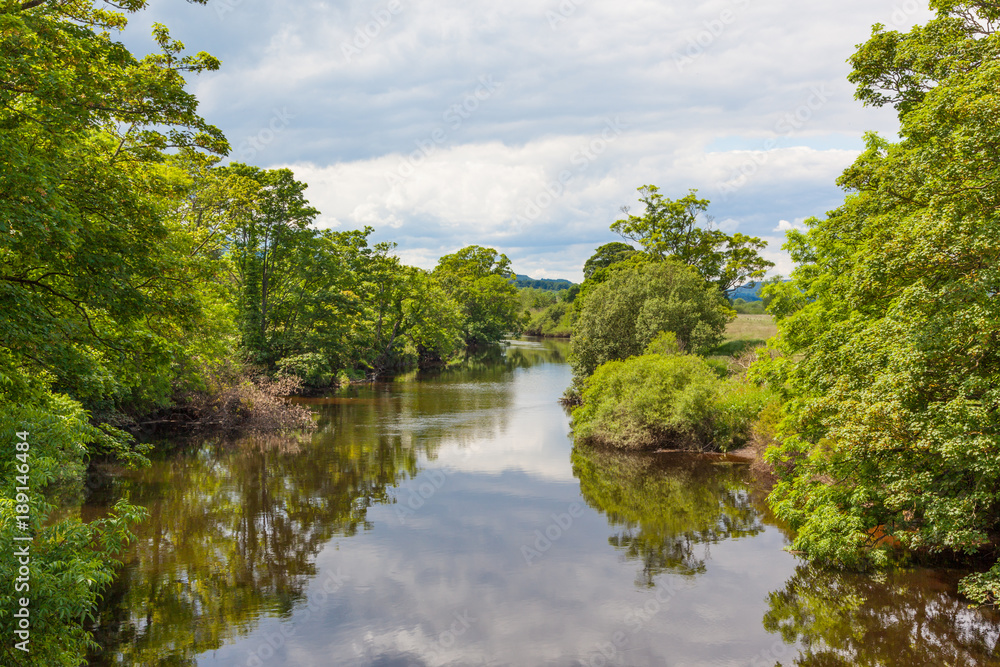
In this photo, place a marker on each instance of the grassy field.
(746, 332)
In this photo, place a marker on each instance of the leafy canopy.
(892, 367)
(480, 280)
(670, 228)
(619, 317)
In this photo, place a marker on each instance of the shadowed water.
(446, 519)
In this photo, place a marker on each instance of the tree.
(408, 309)
(892, 423)
(605, 256)
(481, 282)
(621, 316)
(270, 229)
(669, 228)
(94, 287)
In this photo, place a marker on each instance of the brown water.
(447, 520)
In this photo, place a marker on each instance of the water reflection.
(668, 509)
(232, 535)
(235, 527)
(906, 618)
(242, 537)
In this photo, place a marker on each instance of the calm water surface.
(448, 520)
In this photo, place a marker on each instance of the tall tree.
(640, 299)
(893, 353)
(410, 314)
(92, 285)
(481, 282)
(270, 229)
(670, 228)
(605, 256)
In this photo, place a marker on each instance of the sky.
(526, 125)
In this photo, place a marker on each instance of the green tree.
(481, 282)
(621, 316)
(605, 256)
(95, 285)
(669, 228)
(410, 314)
(270, 230)
(892, 362)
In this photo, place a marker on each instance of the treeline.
(142, 282)
(554, 285)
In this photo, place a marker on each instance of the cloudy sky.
(525, 125)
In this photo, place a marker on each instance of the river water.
(446, 519)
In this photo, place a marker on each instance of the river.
(446, 519)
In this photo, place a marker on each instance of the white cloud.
(785, 226)
(511, 198)
(770, 78)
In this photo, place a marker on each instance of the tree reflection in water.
(905, 618)
(232, 535)
(668, 509)
(235, 527)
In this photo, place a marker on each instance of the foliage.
(669, 228)
(311, 369)
(547, 313)
(983, 586)
(99, 293)
(271, 229)
(479, 280)
(892, 362)
(556, 320)
(648, 402)
(618, 318)
(409, 307)
(70, 562)
(546, 284)
(605, 256)
(666, 399)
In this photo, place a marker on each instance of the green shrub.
(312, 369)
(675, 401)
(648, 401)
(70, 562)
(736, 409)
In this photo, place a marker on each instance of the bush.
(675, 401)
(736, 409)
(70, 562)
(622, 315)
(312, 369)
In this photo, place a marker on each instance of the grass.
(745, 333)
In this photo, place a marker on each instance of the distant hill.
(542, 283)
(747, 293)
